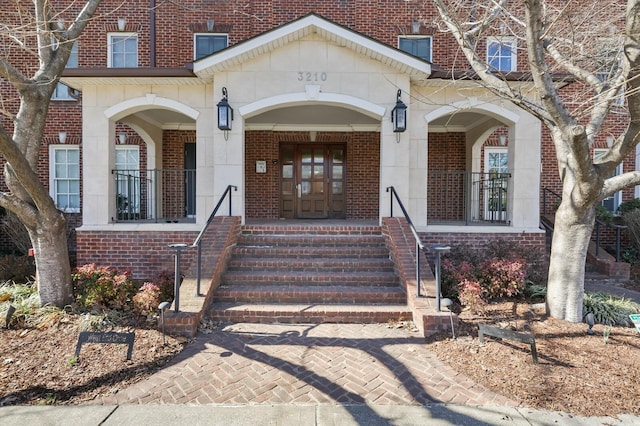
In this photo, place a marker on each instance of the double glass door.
(313, 179)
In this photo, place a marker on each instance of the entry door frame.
(310, 192)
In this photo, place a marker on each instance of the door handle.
(299, 189)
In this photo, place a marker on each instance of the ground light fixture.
(448, 303)
(590, 320)
(225, 113)
(163, 307)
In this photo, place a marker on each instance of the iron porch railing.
(469, 198)
(155, 195)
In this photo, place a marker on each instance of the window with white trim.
(607, 61)
(64, 177)
(63, 92)
(122, 50)
(496, 169)
(206, 44)
(612, 202)
(419, 46)
(502, 53)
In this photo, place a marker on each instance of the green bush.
(629, 206)
(609, 310)
(102, 287)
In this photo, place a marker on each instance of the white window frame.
(487, 153)
(53, 179)
(617, 197)
(196, 35)
(110, 43)
(508, 41)
(62, 92)
(418, 37)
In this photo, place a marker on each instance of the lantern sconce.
(122, 138)
(210, 25)
(62, 137)
(502, 140)
(399, 116)
(225, 114)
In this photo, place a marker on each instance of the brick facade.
(363, 174)
(170, 45)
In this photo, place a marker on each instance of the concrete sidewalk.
(321, 415)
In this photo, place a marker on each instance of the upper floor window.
(419, 46)
(502, 53)
(123, 50)
(612, 202)
(206, 44)
(64, 177)
(63, 92)
(607, 61)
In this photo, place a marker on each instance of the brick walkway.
(308, 364)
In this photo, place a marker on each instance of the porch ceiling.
(161, 118)
(460, 122)
(312, 117)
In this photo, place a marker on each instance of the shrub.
(470, 294)
(609, 310)
(502, 269)
(102, 287)
(628, 206)
(20, 269)
(147, 299)
(165, 282)
(503, 278)
(632, 220)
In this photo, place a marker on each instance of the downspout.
(152, 34)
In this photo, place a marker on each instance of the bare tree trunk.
(52, 261)
(571, 237)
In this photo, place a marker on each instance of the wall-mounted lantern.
(399, 115)
(225, 113)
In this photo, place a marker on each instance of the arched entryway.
(313, 160)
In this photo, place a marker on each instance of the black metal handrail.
(197, 244)
(419, 244)
(598, 224)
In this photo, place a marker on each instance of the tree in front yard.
(37, 33)
(584, 61)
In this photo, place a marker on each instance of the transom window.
(502, 53)
(419, 46)
(64, 177)
(206, 44)
(123, 50)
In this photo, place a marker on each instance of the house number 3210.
(312, 76)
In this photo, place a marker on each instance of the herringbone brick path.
(308, 364)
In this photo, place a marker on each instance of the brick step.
(313, 252)
(306, 240)
(310, 294)
(309, 264)
(310, 230)
(307, 313)
(305, 278)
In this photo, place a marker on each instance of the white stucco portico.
(309, 75)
